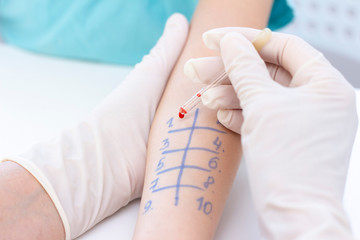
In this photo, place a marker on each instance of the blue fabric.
(281, 15)
(111, 31)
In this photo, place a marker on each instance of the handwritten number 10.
(206, 207)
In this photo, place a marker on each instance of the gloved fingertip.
(223, 116)
(212, 39)
(190, 71)
(232, 38)
(176, 20)
(209, 102)
(231, 119)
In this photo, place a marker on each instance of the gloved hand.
(97, 167)
(297, 140)
(223, 98)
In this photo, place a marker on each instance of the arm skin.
(26, 211)
(187, 212)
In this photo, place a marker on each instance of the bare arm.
(26, 211)
(192, 162)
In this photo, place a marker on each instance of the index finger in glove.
(204, 70)
(224, 96)
(286, 50)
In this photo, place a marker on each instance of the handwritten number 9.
(147, 206)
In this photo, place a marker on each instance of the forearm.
(192, 162)
(227, 13)
(26, 211)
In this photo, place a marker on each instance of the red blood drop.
(181, 115)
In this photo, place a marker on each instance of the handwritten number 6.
(213, 163)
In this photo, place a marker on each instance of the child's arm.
(192, 162)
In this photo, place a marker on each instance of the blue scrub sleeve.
(111, 31)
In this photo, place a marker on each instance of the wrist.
(25, 205)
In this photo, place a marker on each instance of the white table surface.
(40, 95)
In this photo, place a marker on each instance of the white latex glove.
(97, 167)
(223, 98)
(297, 140)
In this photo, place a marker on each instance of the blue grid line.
(177, 187)
(184, 158)
(196, 128)
(185, 166)
(188, 149)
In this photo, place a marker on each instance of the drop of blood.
(181, 115)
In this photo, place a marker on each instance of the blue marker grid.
(185, 151)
